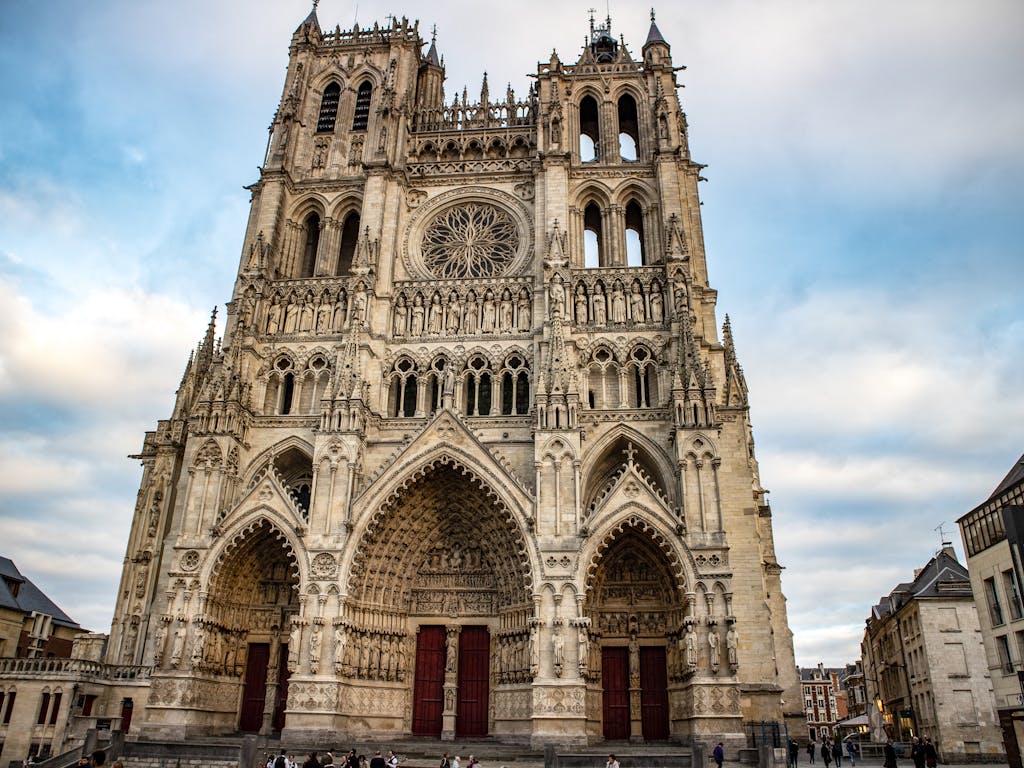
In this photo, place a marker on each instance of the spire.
(654, 34)
(485, 92)
(206, 348)
(311, 19)
(735, 392)
(432, 57)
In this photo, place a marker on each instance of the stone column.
(451, 684)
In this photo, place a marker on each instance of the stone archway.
(219, 649)
(635, 611)
(445, 559)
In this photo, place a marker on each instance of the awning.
(854, 722)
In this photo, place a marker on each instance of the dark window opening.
(629, 130)
(55, 708)
(44, 704)
(311, 246)
(590, 398)
(349, 239)
(506, 394)
(590, 131)
(361, 118)
(409, 397)
(288, 393)
(484, 399)
(328, 109)
(522, 393)
(10, 707)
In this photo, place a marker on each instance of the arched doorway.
(253, 592)
(445, 559)
(636, 614)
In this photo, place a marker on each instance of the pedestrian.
(445, 762)
(837, 753)
(826, 753)
(473, 761)
(281, 761)
(311, 761)
(888, 755)
(810, 751)
(851, 752)
(351, 759)
(457, 762)
(931, 757)
(377, 761)
(612, 762)
(97, 758)
(794, 753)
(392, 760)
(292, 762)
(917, 752)
(718, 753)
(328, 759)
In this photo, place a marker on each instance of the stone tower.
(471, 457)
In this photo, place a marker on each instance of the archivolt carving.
(635, 524)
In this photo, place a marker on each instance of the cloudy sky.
(862, 218)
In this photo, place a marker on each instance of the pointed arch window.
(629, 130)
(311, 245)
(635, 252)
(515, 388)
(361, 117)
(349, 239)
(329, 108)
(590, 131)
(593, 242)
(404, 389)
(477, 384)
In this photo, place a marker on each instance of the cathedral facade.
(472, 456)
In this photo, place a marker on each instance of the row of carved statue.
(618, 305)
(213, 648)
(324, 314)
(357, 653)
(465, 313)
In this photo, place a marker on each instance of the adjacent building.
(925, 665)
(992, 535)
(824, 700)
(474, 455)
(31, 624)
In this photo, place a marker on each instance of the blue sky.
(862, 218)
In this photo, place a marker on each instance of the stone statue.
(158, 643)
(534, 651)
(636, 304)
(315, 644)
(690, 641)
(454, 314)
(489, 313)
(401, 318)
(582, 648)
(524, 310)
(714, 642)
(323, 318)
(339, 313)
(558, 650)
(557, 295)
(131, 635)
(449, 699)
(451, 658)
(634, 658)
(472, 314)
(306, 315)
(178, 647)
(505, 312)
(274, 317)
(291, 312)
(618, 304)
(293, 646)
(600, 306)
(197, 647)
(435, 320)
(358, 306)
(581, 304)
(416, 328)
(731, 644)
(657, 306)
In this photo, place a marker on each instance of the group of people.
(829, 750)
(316, 760)
(922, 753)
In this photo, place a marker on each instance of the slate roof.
(1014, 477)
(30, 597)
(807, 674)
(942, 576)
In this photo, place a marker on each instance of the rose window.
(470, 240)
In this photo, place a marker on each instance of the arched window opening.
(478, 388)
(603, 374)
(361, 117)
(593, 243)
(312, 243)
(635, 255)
(507, 394)
(590, 131)
(629, 131)
(644, 379)
(349, 238)
(436, 383)
(515, 388)
(404, 389)
(522, 393)
(328, 109)
(287, 393)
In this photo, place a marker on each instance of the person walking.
(837, 753)
(917, 752)
(794, 753)
(718, 753)
(810, 751)
(888, 755)
(851, 752)
(612, 762)
(445, 762)
(311, 761)
(931, 757)
(826, 753)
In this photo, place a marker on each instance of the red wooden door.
(254, 691)
(474, 672)
(428, 688)
(281, 697)
(126, 714)
(615, 681)
(653, 693)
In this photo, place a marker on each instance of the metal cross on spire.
(652, 15)
(433, 34)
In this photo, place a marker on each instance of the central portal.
(473, 689)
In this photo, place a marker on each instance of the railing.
(14, 667)
(465, 117)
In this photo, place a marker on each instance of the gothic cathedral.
(472, 457)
